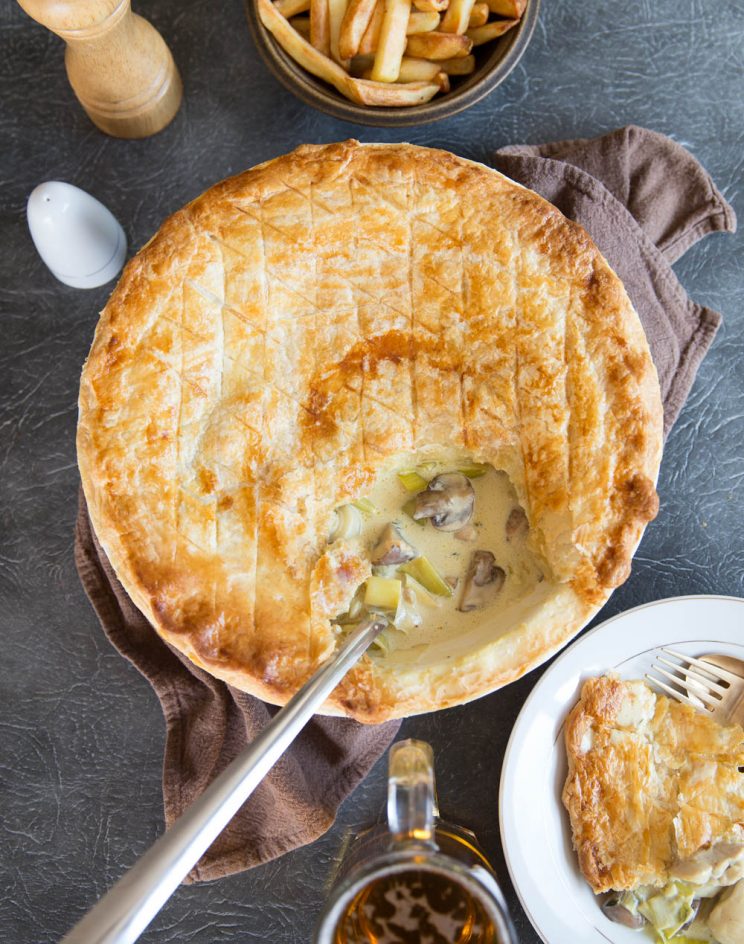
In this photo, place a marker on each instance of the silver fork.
(704, 684)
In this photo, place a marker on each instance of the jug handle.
(412, 798)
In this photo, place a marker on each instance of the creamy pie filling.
(450, 549)
(684, 912)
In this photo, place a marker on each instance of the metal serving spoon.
(125, 910)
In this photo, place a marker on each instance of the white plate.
(535, 831)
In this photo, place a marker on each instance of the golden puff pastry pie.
(654, 791)
(308, 364)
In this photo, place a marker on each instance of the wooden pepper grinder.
(118, 64)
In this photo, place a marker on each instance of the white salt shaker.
(76, 236)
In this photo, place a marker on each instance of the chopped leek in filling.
(347, 523)
(682, 913)
(412, 481)
(666, 909)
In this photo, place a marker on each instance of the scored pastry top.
(320, 321)
(653, 790)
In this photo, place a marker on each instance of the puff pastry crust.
(653, 789)
(287, 336)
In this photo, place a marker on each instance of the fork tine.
(706, 670)
(705, 666)
(694, 676)
(670, 691)
(702, 695)
(701, 690)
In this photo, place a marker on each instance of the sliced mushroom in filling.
(483, 582)
(447, 501)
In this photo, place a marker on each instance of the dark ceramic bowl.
(494, 61)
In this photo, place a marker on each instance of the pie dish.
(656, 802)
(305, 330)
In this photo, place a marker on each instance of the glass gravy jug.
(416, 879)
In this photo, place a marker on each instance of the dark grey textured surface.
(80, 731)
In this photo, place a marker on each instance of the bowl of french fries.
(391, 62)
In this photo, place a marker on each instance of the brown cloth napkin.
(644, 199)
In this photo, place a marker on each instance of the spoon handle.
(126, 909)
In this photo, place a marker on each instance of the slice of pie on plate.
(349, 338)
(655, 796)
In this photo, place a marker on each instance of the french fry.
(418, 70)
(290, 8)
(464, 66)
(417, 23)
(302, 25)
(359, 91)
(355, 22)
(392, 41)
(307, 55)
(431, 6)
(392, 94)
(336, 11)
(422, 22)
(484, 34)
(457, 17)
(320, 33)
(479, 16)
(511, 8)
(439, 46)
(372, 33)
